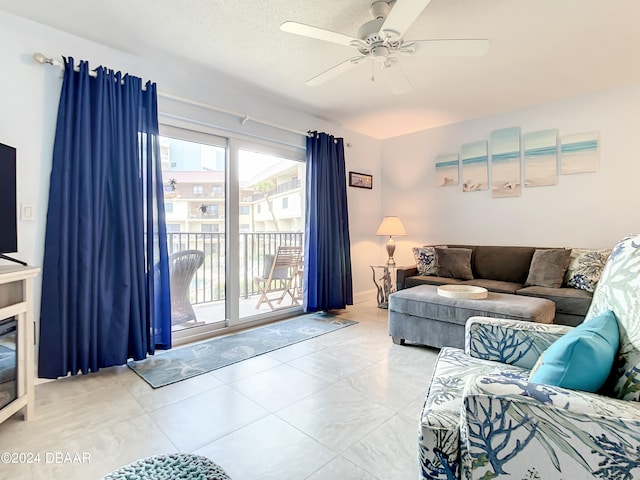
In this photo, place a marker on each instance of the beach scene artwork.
(579, 153)
(447, 170)
(540, 158)
(475, 173)
(505, 162)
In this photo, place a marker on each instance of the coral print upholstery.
(484, 419)
(619, 291)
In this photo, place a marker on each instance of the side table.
(385, 287)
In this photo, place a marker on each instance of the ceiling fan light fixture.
(389, 62)
(380, 52)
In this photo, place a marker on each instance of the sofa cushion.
(582, 358)
(430, 280)
(618, 290)
(567, 300)
(548, 267)
(585, 268)
(454, 263)
(494, 285)
(508, 264)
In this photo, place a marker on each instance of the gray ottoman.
(419, 315)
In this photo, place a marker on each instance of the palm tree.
(266, 186)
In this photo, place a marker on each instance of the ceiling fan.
(382, 40)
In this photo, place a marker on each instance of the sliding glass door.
(194, 178)
(219, 248)
(271, 226)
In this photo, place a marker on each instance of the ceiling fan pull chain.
(373, 74)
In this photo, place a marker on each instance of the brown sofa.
(504, 269)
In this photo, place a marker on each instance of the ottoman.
(182, 466)
(419, 315)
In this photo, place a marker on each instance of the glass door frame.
(233, 144)
(233, 235)
(204, 138)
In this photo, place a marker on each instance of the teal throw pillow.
(582, 359)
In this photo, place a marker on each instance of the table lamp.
(391, 226)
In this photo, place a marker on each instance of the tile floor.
(344, 406)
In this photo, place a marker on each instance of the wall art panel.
(505, 162)
(540, 158)
(579, 153)
(447, 167)
(475, 173)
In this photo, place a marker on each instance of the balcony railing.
(283, 187)
(208, 284)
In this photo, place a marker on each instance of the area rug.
(183, 466)
(186, 362)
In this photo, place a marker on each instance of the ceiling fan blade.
(402, 16)
(317, 33)
(397, 79)
(452, 48)
(334, 71)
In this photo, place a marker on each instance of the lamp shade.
(391, 226)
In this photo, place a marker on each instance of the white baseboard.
(365, 296)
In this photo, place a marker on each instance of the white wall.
(364, 216)
(584, 210)
(29, 94)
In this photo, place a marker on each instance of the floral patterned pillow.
(426, 260)
(585, 267)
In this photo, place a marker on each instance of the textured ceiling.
(541, 50)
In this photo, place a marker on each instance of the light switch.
(27, 212)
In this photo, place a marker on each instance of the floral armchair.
(484, 419)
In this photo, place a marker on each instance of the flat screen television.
(8, 201)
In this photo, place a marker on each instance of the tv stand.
(6, 257)
(16, 300)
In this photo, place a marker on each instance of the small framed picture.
(360, 180)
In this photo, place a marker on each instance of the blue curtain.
(105, 276)
(327, 255)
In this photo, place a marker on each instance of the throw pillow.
(581, 359)
(454, 263)
(425, 260)
(585, 267)
(548, 267)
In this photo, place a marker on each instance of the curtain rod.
(42, 59)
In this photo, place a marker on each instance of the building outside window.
(197, 190)
(210, 228)
(285, 202)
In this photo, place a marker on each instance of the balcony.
(207, 289)
(282, 188)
